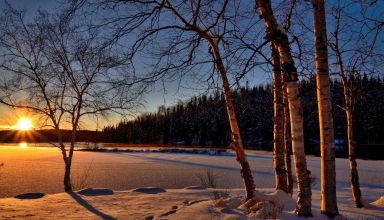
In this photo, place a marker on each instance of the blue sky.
(165, 92)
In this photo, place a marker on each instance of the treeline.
(203, 120)
(48, 135)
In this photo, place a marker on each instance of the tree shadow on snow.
(195, 164)
(89, 207)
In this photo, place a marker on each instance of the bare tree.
(327, 143)
(355, 49)
(62, 71)
(193, 28)
(276, 35)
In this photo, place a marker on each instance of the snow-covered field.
(173, 204)
(41, 170)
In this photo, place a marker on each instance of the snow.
(173, 178)
(170, 204)
(379, 202)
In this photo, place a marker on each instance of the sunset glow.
(23, 124)
(23, 145)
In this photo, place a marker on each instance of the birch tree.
(278, 121)
(213, 40)
(327, 143)
(276, 35)
(193, 28)
(355, 46)
(287, 145)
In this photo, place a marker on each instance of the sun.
(24, 124)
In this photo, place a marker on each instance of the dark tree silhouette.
(58, 69)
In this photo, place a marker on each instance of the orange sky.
(9, 118)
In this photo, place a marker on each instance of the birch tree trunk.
(274, 34)
(287, 146)
(348, 109)
(348, 97)
(304, 194)
(327, 143)
(236, 144)
(278, 122)
(354, 175)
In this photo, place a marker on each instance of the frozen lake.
(35, 169)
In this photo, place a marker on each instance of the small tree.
(355, 53)
(62, 71)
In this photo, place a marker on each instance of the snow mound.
(265, 209)
(228, 202)
(227, 206)
(95, 192)
(379, 202)
(278, 198)
(150, 190)
(283, 199)
(30, 196)
(266, 206)
(205, 210)
(196, 187)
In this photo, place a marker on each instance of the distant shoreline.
(178, 148)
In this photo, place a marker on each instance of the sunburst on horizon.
(23, 144)
(23, 124)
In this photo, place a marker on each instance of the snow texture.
(172, 204)
(41, 170)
